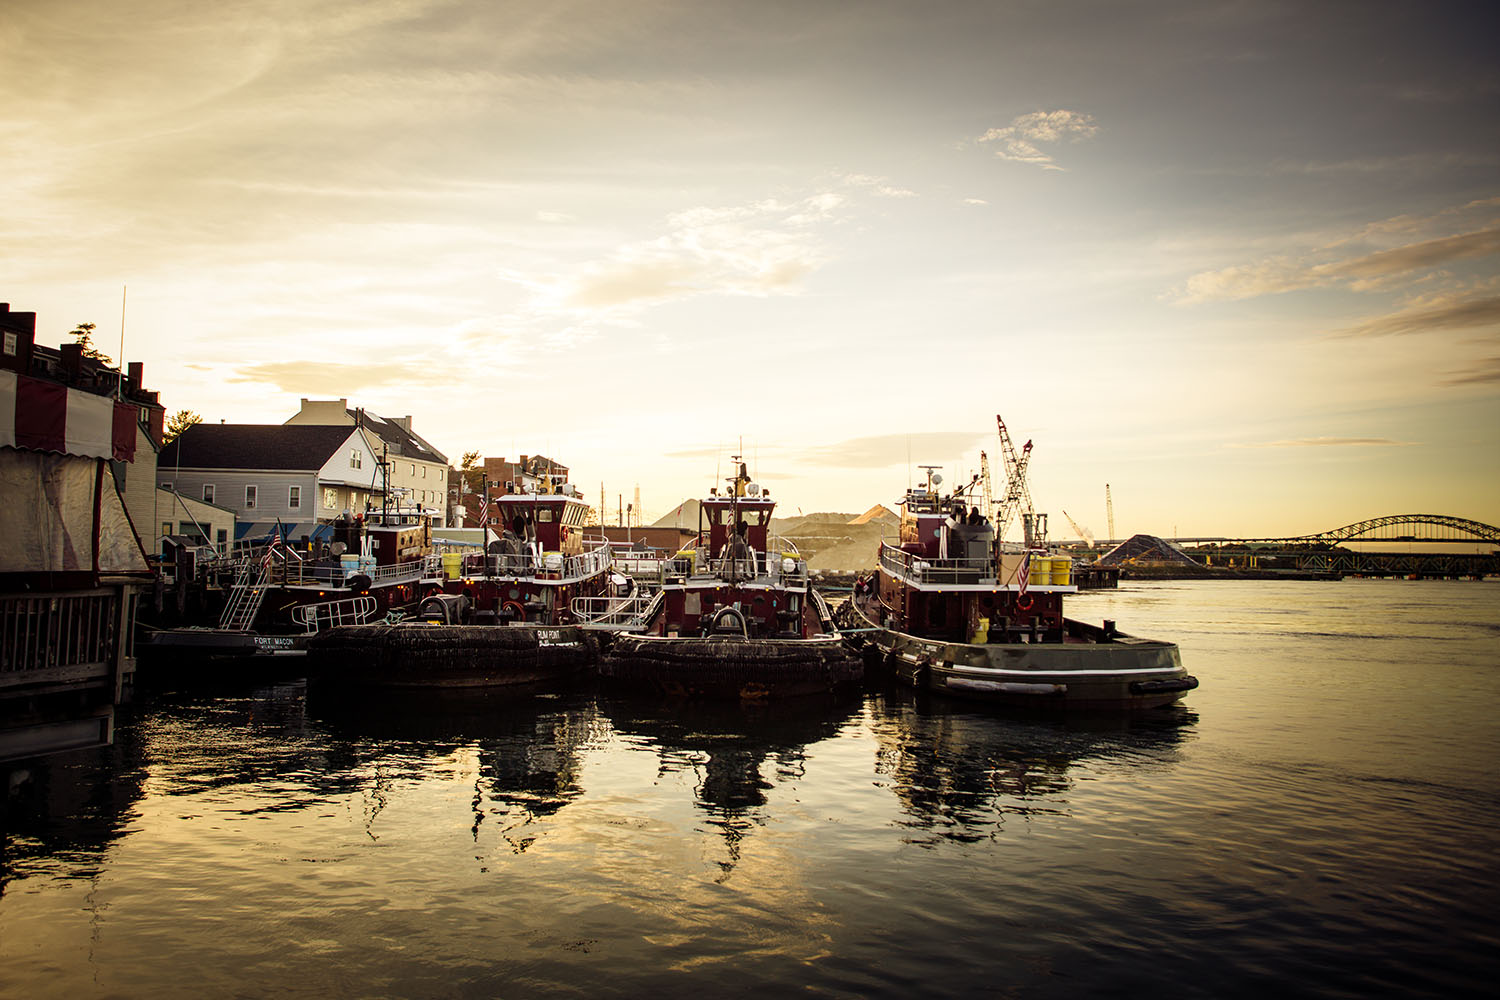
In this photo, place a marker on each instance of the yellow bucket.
(453, 564)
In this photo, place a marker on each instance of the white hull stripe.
(1040, 672)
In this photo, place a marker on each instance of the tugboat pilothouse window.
(753, 518)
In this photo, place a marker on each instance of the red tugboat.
(500, 619)
(277, 595)
(735, 615)
(950, 610)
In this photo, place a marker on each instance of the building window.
(166, 527)
(12, 345)
(294, 497)
(222, 536)
(330, 499)
(250, 492)
(208, 492)
(356, 460)
(413, 468)
(424, 472)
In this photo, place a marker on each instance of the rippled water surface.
(1319, 818)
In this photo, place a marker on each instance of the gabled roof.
(402, 441)
(289, 447)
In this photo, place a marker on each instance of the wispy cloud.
(314, 377)
(1486, 371)
(1328, 442)
(1458, 316)
(1412, 253)
(766, 248)
(881, 186)
(885, 450)
(1022, 139)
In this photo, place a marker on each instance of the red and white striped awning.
(46, 416)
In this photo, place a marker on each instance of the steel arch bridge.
(1329, 552)
(1393, 528)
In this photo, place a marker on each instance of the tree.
(473, 472)
(83, 334)
(179, 422)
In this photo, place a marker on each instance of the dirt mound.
(684, 515)
(879, 512)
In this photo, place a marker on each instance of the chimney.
(135, 370)
(72, 358)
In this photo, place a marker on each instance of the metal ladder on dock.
(245, 596)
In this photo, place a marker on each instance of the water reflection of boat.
(960, 772)
(65, 810)
(726, 746)
(527, 749)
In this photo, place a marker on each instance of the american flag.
(484, 511)
(271, 548)
(1025, 572)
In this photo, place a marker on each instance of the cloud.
(1426, 254)
(1019, 140)
(1457, 316)
(1484, 372)
(878, 185)
(765, 248)
(316, 377)
(1412, 254)
(886, 450)
(1328, 442)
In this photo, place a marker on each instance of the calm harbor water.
(1319, 818)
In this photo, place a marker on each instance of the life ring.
(517, 608)
(1024, 603)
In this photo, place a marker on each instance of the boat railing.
(551, 566)
(337, 576)
(639, 564)
(782, 566)
(347, 611)
(922, 569)
(628, 613)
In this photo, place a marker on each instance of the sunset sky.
(1239, 260)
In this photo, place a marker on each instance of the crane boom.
(1017, 495)
(1083, 533)
(984, 478)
